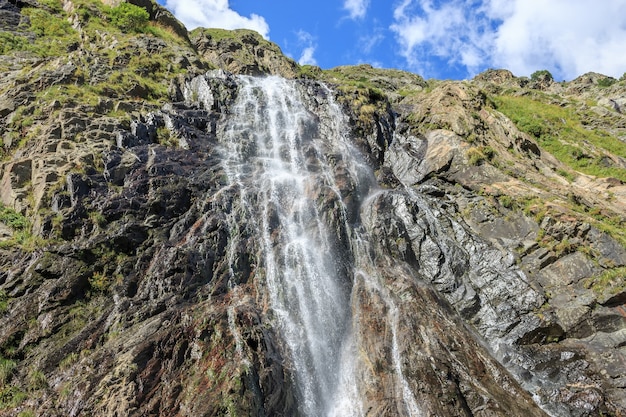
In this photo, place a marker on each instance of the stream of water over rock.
(301, 182)
(359, 283)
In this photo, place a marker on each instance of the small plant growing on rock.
(98, 218)
(13, 219)
(506, 201)
(4, 301)
(476, 155)
(37, 380)
(6, 370)
(68, 361)
(99, 282)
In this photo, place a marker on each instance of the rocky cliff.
(171, 225)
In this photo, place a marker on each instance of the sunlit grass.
(561, 132)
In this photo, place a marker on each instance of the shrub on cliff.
(541, 75)
(129, 18)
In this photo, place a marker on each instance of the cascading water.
(280, 157)
(295, 189)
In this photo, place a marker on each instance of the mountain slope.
(497, 228)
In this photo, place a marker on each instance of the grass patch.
(11, 42)
(7, 366)
(560, 131)
(68, 361)
(164, 32)
(22, 236)
(613, 226)
(310, 71)
(4, 301)
(11, 397)
(477, 155)
(54, 33)
(611, 282)
(99, 282)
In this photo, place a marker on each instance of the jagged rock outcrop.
(242, 51)
(132, 281)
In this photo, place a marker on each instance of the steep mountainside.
(182, 236)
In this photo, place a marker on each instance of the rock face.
(179, 240)
(242, 51)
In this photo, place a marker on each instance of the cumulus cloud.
(306, 57)
(567, 37)
(308, 41)
(357, 9)
(215, 14)
(454, 32)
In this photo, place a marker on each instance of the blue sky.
(445, 39)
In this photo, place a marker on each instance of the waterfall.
(298, 184)
(275, 154)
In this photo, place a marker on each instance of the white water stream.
(283, 160)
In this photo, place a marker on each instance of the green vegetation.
(610, 282)
(7, 366)
(310, 71)
(11, 42)
(22, 235)
(615, 226)
(560, 131)
(477, 155)
(10, 395)
(13, 219)
(166, 137)
(606, 81)
(129, 18)
(506, 201)
(54, 33)
(541, 75)
(69, 360)
(45, 24)
(367, 77)
(99, 282)
(36, 380)
(4, 301)
(216, 34)
(98, 218)
(165, 33)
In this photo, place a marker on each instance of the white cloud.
(306, 57)
(453, 32)
(357, 9)
(567, 37)
(215, 14)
